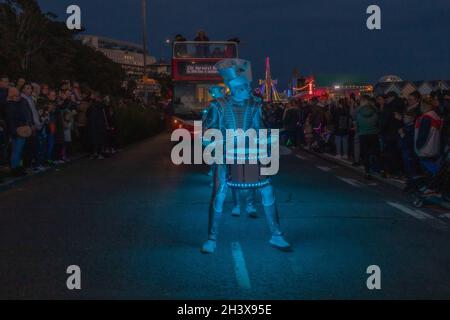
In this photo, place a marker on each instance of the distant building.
(159, 68)
(404, 88)
(390, 78)
(128, 55)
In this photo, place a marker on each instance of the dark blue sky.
(315, 36)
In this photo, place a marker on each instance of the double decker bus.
(193, 73)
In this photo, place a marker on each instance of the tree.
(39, 47)
(24, 29)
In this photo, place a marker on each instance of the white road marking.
(352, 182)
(301, 157)
(446, 215)
(420, 215)
(412, 212)
(323, 168)
(240, 268)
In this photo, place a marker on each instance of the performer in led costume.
(218, 94)
(240, 110)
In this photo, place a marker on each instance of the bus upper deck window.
(201, 50)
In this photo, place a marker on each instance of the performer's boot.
(210, 246)
(236, 211)
(278, 240)
(251, 210)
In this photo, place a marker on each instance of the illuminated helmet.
(235, 72)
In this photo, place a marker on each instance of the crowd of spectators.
(41, 126)
(396, 137)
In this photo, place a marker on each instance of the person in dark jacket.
(18, 114)
(342, 122)
(62, 106)
(390, 124)
(291, 119)
(202, 50)
(97, 126)
(111, 134)
(50, 107)
(410, 161)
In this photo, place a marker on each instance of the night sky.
(316, 36)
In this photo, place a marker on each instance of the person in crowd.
(427, 138)
(410, 161)
(381, 102)
(41, 128)
(68, 118)
(367, 128)
(291, 119)
(96, 126)
(110, 143)
(414, 104)
(329, 124)
(76, 92)
(44, 90)
(342, 125)
(428, 133)
(274, 116)
(302, 114)
(317, 113)
(202, 50)
(62, 105)
(308, 132)
(446, 118)
(20, 123)
(406, 135)
(231, 50)
(51, 109)
(317, 120)
(81, 121)
(390, 124)
(181, 49)
(20, 83)
(356, 152)
(32, 148)
(36, 91)
(4, 85)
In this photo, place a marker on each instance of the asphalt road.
(134, 224)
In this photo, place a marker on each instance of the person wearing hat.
(240, 110)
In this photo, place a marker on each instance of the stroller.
(437, 184)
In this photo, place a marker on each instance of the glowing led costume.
(240, 110)
(218, 94)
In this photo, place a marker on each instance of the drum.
(248, 175)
